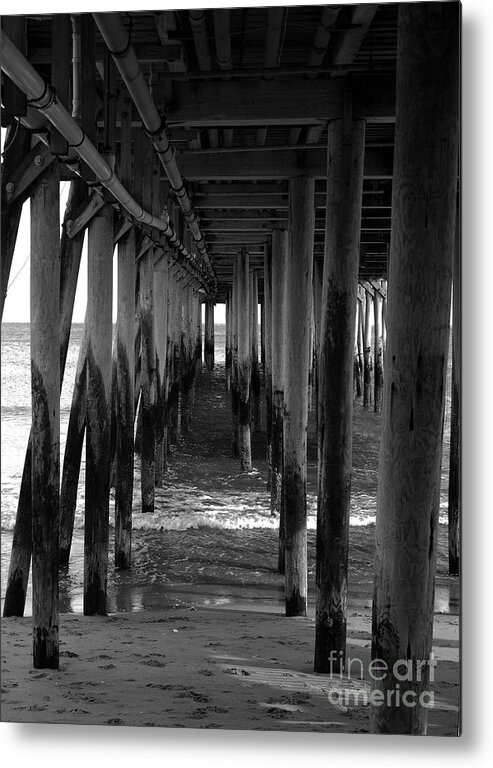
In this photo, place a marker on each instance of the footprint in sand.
(189, 694)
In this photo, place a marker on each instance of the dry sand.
(233, 668)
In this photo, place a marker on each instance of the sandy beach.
(231, 668)
(195, 635)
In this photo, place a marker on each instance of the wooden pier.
(305, 176)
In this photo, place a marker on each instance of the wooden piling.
(20, 560)
(45, 384)
(318, 266)
(234, 361)
(297, 363)
(454, 489)
(359, 343)
(73, 453)
(228, 352)
(174, 331)
(255, 375)
(209, 334)
(147, 380)
(125, 364)
(98, 419)
(198, 333)
(420, 268)
(161, 272)
(244, 362)
(367, 356)
(187, 365)
(378, 352)
(345, 156)
(278, 328)
(267, 326)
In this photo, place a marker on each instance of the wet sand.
(196, 637)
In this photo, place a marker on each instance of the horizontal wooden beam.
(280, 102)
(241, 165)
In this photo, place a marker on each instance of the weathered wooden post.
(318, 266)
(73, 453)
(262, 339)
(161, 271)
(367, 356)
(147, 379)
(454, 489)
(378, 353)
(384, 324)
(198, 336)
(187, 371)
(267, 325)
(345, 160)
(234, 360)
(420, 270)
(278, 326)
(244, 361)
(45, 383)
(71, 250)
(209, 334)
(125, 363)
(147, 349)
(359, 341)
(98, 410)
(174, 331)
(229, 337)
(255, 376)
(297, 363)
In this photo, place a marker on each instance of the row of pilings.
(133, 392)
(328, 328)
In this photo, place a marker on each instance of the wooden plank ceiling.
(246, 93)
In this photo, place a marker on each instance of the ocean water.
(211, 531)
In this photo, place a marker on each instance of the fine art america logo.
(408, 672)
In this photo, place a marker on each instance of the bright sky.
(17, 302)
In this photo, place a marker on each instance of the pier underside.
(271, 431)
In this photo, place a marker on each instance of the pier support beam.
(209, 334)
(228, 351)
(318, 267)
(367, 356)
(45, 383)
(278, 327)
(147, 380)
(267, 328)
(378, 352)
(454, 490)
(297, 363)
(161, 270)
(244, 362)
(345, 158)
(255, 379)
(234, 360)
(420, 270)
(20, 561)
(98, 420)
(73, 453)
(125, 365)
